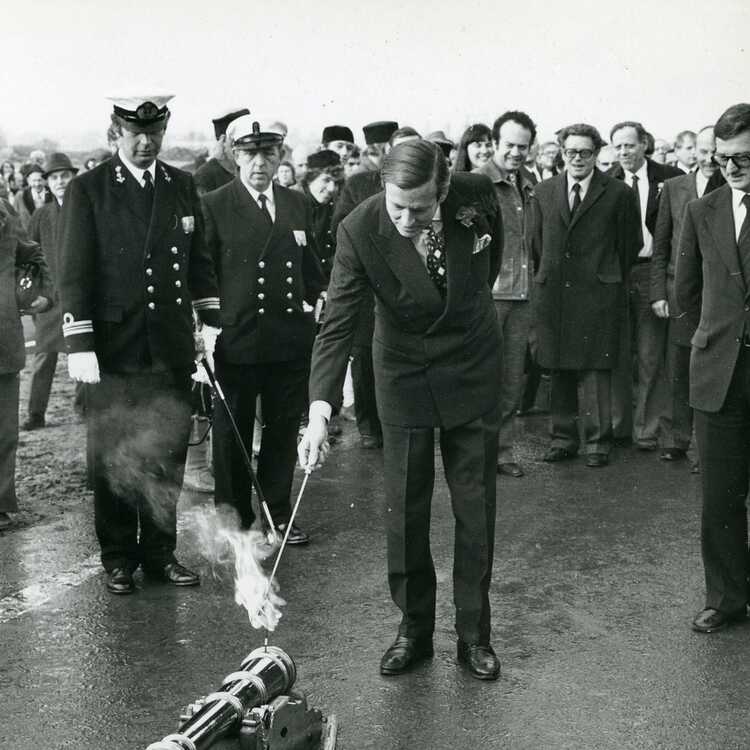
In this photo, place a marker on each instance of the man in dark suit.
(34, 196)
(647, 334)
(261, 237)
(133, 267)
(220, 168)
(428, 249)
(713, 286)
(48, 336)
(588, 237)
(676, 194)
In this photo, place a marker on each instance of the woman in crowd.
(8, 178)
(285, 175)
(475, 148)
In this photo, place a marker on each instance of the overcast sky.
(673, 64)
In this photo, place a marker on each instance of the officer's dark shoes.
(711, 620)
(174, 573)
(296, 535)
(479, 659)
(120, 581)
(33, 422)
(404, 653)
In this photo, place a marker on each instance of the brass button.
(289, 264)
(261, 311)
(179, 300)
(178, 283)
(176, 266)
(149, 272)
(261, 280)
(150, 289)
(289, 295)
(261, 296)
(151, 306)
(289, 279)
(289, 309)
(174, 251)
(261, 264)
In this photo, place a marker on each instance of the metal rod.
(241, 443)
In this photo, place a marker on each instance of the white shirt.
(584, 183)
(700, 183)
(686, 170)
(268, 192)
(739, 211)
(137, 172)
(642, 175)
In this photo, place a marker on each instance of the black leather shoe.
(479, 659)
(404, 653)
(510, 468)
(296, 535)
(176, 574)
(368, 442)
(33, 422)
(120, 581)
(647, 447)
(597, 460)
(710, 620)
(673, 454)
(558, 454)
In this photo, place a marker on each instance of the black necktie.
(637, 193)
(436, 258)
(743, 241)
(576, 198)
(148, 182)
(263, 200)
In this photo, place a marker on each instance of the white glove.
(209, 334)
(84, 367)
(205, 343)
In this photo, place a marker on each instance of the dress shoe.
(120, 581)
(296, 535)
(597, 460)
(404, 653)
(558, 454)
(368, 442)
(176, 574)
(5, 521)
(710, 620)
(673, 454)
(479, 659)
(622, 442)
(646, 446)
(33, 422)
(510, 468)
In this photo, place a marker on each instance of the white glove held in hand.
(209, 334)
(205, 343)
(84, 367)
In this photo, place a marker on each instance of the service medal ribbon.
(300, 237)
(188, 224)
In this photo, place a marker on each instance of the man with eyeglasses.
(676, 194)
(588, 237)
(647, 333)
(713, 286)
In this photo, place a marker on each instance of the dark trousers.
(679, 417)
(723, 439)
(42, 374)
(365, 404)
(138, 427)
(469, 459)
(591, 408)
(9, 391)
(282, 387)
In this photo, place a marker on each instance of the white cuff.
(320, 409)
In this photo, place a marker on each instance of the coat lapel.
(280, 222)
(119, 177)
(561, 197)
(403, 259)
(163, 215)
(720, 225)
(596, 187)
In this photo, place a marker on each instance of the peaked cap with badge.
(248, 133)
(142, 114)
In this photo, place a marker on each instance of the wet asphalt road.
(597, 576)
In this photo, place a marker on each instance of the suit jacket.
(657, 175)
(130, 273)
(210, 176)
(269, 278)
(710, 287)
(580, 292)
(15, 249)
(25, 206)
(48, 325)
(436, 361)
(676, 194)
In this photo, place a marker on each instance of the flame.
(222, 542)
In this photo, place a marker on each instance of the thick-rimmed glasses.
(584, 153)
(741, 161)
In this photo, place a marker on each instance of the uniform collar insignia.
(118, 174)
(165, 173)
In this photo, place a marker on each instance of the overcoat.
(580, 288)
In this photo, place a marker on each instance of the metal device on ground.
(255, 709)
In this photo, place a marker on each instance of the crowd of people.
(446, 279)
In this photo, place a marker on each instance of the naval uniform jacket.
(130, 273)
(436, 361)
(269, 277)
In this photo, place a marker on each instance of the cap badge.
(147, 111)
(256, 128)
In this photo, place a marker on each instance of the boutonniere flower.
(467, 215)
(659, 188)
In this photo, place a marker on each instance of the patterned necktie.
(263, 200)
(436, 258)
(576, 198)
(637, 193)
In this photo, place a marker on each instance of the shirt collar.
(641, 174)
(584, 183)
(498, 174)
(268, 192)
(737, 196)
(137, 172)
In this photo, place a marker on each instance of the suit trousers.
(591, 407)
(514, 319)
(138, 428)
(678, 419)
(9, 393)
(42, 375)
(282, 387)
(365, 403)
(723, 439)
(469, 460)
(649, 339)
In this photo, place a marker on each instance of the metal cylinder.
(265, 674)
